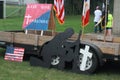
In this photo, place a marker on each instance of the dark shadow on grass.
(2, 52)
(110, 67)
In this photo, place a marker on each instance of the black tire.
(92, 63)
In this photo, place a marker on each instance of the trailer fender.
(97, 51)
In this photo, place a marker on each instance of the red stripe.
(85, 19)
(59, 16)
(16, 56)
(12, 58)
(86, 13)
(61, 12)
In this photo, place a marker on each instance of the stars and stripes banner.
(86, 13)
(14, 54)
(59, 9)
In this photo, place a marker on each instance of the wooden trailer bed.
(22, 38)
(107, 46)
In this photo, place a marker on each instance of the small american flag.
(14, 54)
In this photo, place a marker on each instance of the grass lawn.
(75, 23)
(15, 20)
(23, 71)
(15, 23)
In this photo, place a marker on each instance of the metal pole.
(4, 10)
(105, 20)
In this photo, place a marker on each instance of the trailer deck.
(110, 45)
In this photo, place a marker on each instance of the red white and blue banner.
(86, 13)
(60, 11)
(37, 16)
(14, 54)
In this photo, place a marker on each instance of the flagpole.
(85, 15)
(82, 32)
(83, 22)
(105, 20)
(83, 28)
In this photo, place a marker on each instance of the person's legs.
(106, 32)
(109, 32)
(100, 29)
(95, 28)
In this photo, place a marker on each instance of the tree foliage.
(74, 7)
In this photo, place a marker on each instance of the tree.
(74, 7)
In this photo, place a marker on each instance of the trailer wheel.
(87, 65)
(55, 60)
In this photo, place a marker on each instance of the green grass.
(12, 23)
(75, 23)
(23, 71)
(15, 23)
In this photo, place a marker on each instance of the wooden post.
(116, 17)
(41, 33)
(51, 25)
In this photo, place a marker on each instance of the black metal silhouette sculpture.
(59, 52)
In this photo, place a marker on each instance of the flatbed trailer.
(67, 50)
(109, 45)
(37, 47)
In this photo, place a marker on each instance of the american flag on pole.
(85, 13)
(14, 54)
(59, 9)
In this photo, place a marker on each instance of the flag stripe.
(13, 58)
(59, 9)
(85, 13)
(14, 54)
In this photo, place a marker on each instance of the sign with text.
(37, 16)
